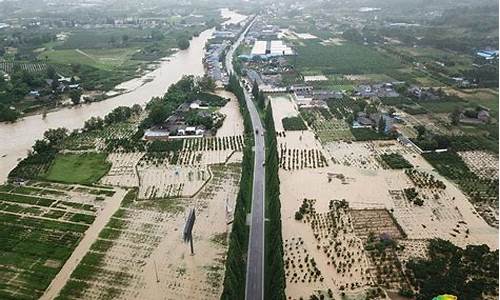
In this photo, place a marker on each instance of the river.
(17, 138)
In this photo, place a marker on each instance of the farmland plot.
(140, 253)
(41, 226)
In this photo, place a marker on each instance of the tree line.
(274, 279)
(235, 275)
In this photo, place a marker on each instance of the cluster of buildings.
(60, 85)
(383, 90)
(212, 61)
(266, 49)
(215, 52)
(177, 125)
(488, 54)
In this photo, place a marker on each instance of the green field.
(105, 59)
(367, 134)
(348, 58)
(396, 161)
(293, 124)
(84, 168)
(37, 236)
(442, 106)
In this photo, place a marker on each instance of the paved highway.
(255, 259)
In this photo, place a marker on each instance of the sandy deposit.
(482, 163)
(149, 260)
(355, 173)
(233, 123)
(122, 172)
(108, 208)
(165, 180)
(283, 107)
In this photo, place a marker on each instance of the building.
(487, 54)
(259, 48)
(271, 48)
(483, 116)
(152, 134)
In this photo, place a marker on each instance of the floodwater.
(17, 138)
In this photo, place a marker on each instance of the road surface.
(255, 259)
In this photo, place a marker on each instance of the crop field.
(293, 123)
(485, 97)
(348, 58)
(234, 143)
(483, 192)
(341, 108)
(325, 126)
(484, 164)
(442, 106)
(367, 134)
(333, 254)
(99, 38)
(99, 139)
(83, 168)
(395, 161)
(140, 252)
(40, 226)
(7, 67)
(358, 154)
(295, 159)
(106, 59)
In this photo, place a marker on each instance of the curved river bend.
(17, 138)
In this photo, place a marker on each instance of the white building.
(259, 48)
(272, 48)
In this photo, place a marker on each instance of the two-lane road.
(255, 258)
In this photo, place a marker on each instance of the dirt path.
(85, 54)
(110, 207)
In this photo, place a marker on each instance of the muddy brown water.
(17, 138)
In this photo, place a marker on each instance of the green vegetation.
(235, 276)
(293, 124)
(274, 274)
(31, 262)
(86, 168)
(396, 161)
(470, 273)
(367, 134)
(450, 165)
(349, 58)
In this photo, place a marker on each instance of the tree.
(206, 83)
(136, 109)
(75, 96)
(420, 131)
(54, 85)
(75, 68)
(51, 73)
(182, 43)
(261, 100)
(124, 39)
(381, 125)
(7, 114)
(455, 116)
(55, 136)
(159, 113)
(41, 146)
(352, 35)
(255, 90)
(94, 123)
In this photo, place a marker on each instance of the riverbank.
(20, 136)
